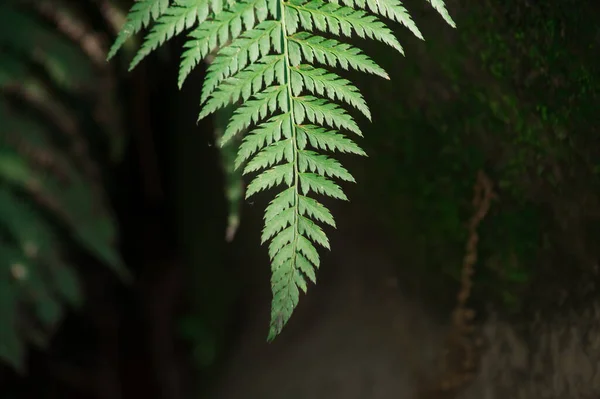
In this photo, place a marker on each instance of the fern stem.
(276, 324)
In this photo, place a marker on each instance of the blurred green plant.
(52, 203)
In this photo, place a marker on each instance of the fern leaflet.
(141, 14)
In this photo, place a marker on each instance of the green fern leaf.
(319, 81)
(265, 102)
(440, 7)
(323, 165)
(246, 83)
(275, 225)
(243, 50)
(226, 26)
(282, 201)
(140, 16)
(327, 140)
(282, 239)
(306, 268)
(318, 110)
(272, 177)
(311, 230)
(305, 247)
(330, 52)
(392, 9)
(271, 155)
(320, 185)
(313, 208)
(265, 63)
(329, 17)
(184, 14)
(266, 134)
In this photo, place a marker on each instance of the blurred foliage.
(513, 92)
(234, 184)
(52, 203)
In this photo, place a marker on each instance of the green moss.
(514, 92)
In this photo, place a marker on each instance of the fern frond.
(327, 140)
(246, 83)
(440, 7)
(265, 63)
(140, 15)
(271, 155)
(270, 178)
(242, 51)
(265, 103)
(330, 52)
(265, 134)
(183, 14)
(226, 26)
(325, 166)
(329, 17)
(318, 110)
(313, 208)
(312, 182)
(392, 9)
(324, 83)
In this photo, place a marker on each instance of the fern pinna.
(271, 58)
